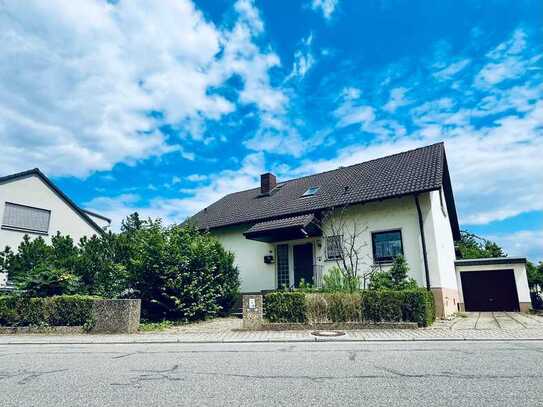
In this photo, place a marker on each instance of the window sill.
(23, 230)
(383, 262)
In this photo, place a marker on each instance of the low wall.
(116, 316)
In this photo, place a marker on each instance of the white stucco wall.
(439, 241)
(381, 216)
(519, 269)
(32, 191)
(255, 275)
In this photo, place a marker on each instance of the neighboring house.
(402, 204)
(30, 204)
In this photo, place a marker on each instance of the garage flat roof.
(491, 260)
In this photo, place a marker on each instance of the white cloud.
(351, 93)
(303, 59)
(505, 61)
(326, 7)
(79, 79)
(397, 99)
(522, 243)
(178, 209)
(452, 69)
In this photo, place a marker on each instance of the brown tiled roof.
(419, 170)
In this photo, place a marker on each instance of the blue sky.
(164, 108)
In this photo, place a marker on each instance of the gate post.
(253, 311)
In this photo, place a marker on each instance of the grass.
(155, 326)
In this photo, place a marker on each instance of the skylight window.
(311, 191)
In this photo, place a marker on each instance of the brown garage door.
(489, 290)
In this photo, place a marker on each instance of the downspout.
(423, 239)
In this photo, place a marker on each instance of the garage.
(496, 284)
(490, 290)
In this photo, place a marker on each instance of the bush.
(333, 307)
(316, 307)
(418, 306)
(66, 310)
(46, 280)
(415, 305)
(344, 307)
(394, 279)
(180, 273)
(336, 281)
(284, 306)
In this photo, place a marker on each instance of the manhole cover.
(327, 333)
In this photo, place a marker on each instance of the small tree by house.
(347, 246)
(397, 278)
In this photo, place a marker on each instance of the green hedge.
(285, 306)
(64, 310)
(412, 305)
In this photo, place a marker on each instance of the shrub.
(336, 281)
(66, 310)
(180, 273)
(418, 306)
(344, 307)
(394, 279)
(414, 305)
(284, 306)
(316, 307)
(45, 280)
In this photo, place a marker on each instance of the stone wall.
(253, 311)
(116, 316)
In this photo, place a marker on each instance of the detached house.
(31, 204)
(403, 204)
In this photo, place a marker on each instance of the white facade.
(391, 214)
(31, 191)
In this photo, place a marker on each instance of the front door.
(303, 263)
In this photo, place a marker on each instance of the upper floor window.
(386, 245)
(26, 218)
(311, 191)
(334, 249)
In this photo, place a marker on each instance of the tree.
(535, 275)
(472, 246)
(397, 278)
(346, 233)
(132, 223)
(30, 253)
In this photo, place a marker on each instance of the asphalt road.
(290, 374)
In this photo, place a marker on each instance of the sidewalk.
(475, 327)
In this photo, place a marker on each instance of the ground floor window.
(386, 245)
(283, 279)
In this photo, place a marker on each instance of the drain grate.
(327, 333)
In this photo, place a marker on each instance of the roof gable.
(409, 172)
(62, 195)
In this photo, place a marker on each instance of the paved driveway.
(491, 321)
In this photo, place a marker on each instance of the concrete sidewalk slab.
(284, 336)
(471, 326)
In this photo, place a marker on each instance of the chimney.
(267, 182)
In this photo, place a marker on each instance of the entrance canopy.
(288, 228)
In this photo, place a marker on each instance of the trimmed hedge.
(412, 305)
(64, 310)
(285, 306)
